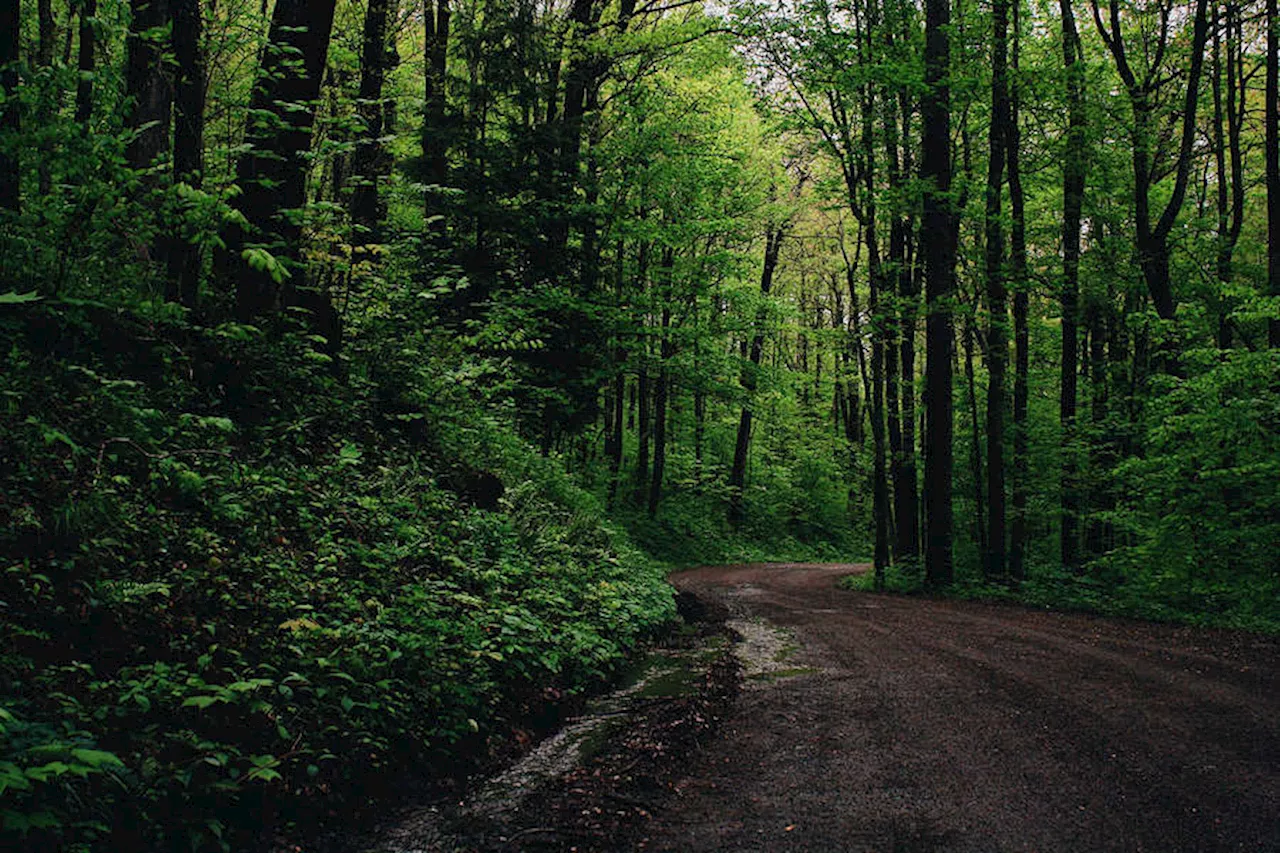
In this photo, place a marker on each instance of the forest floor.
(875, 723)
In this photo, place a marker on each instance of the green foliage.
(247, 595)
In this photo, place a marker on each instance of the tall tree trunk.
(188, 139)
(44, 59)
(997, 307)
(937, 220)
(616, 435)
(975, 455)
(661, 389)
(1272, 140)
(642, 382)
(148, 87)
(1021, 330)
(10, 121)
(738, 473)
(86, 64)
(435, 135)
(1073, 182)
(273, 172)
(905, 488)
(370, 160)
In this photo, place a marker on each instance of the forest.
(368, 363)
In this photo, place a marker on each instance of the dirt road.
(942, 725)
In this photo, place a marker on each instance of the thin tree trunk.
(86, 64)
(1021, 331)
(937, 221)
(1272, 139)
(738, 473)
(1073, 182)
(435, 137)
(369, 160)
(188, 139)
(661, 388)
(975, 455)
(10, 120)
(997, 307)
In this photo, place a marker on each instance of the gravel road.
(912, 724)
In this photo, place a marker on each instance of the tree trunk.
(370, 163)
(86, 64)
(148, 87)
(937, 221)
(1021, 332)
(738, 473)
(273, 172)
(1073, 182)
(188, 139)
(1272, 140)
(10, 120)
(997, 307)
(661, 387)
(975, 455)
(435, 134)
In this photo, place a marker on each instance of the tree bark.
(1021, 332)
(370, 163)
(148, 86)
(1272, 135)
(1073, 182)
(86, 64)
(435, 136)
(273, 173)
(661, 387)
(188, 139)
(937, 221)
(10, 118)
(738, 473)
(997, 307)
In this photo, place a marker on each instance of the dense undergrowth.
(240, 592)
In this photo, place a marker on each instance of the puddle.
(766, 651)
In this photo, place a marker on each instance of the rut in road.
(916, 724)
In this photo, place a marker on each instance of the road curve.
(945, 725)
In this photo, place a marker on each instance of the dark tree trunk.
(86, 64)
(10, 120)
(44, 59)
(1073, 181)
(370, 163)
(660, 393)
(188, 139)
(435, 133)
(616, 436)
(906, 491)
(273, 173)
(975, 455)
(937, 221)
(1272, 140)
(738, 473)
(148, 85)
(1021, 332)
(997, 301)
(642, 382)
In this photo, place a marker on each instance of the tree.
(272, 173)
(1073, 184)
(937, 221)
(1144, 85)
(10, 121)
(1272, 141)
